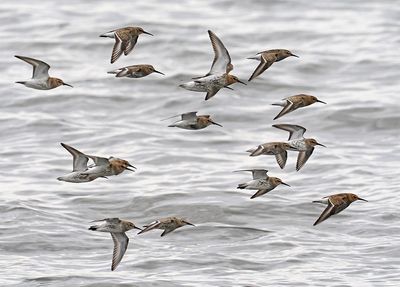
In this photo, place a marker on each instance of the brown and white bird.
(40, 78)
(102, 166)
(297, 142)
(267, 58)
(135, 71)
(117, 229)
(168, 224)
(261, 182)
(218, 77)
(336, 203)
(295, 102)
(125, 40)
(191, 121)
(279, 149)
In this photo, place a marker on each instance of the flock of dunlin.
(217, 78)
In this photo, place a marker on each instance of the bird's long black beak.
(294, 55)
(188, 223)
(362, 199)
(285, 184)
(65, 84)
(155, 71)
(214, 123)
(239, 81)
(321, 144)
(144, 32)
(321, 102)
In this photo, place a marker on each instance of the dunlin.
(261, 182)
(336, 203)
(40, 77)
(135, 71)
(125, 40)
(294, 102)
(117, 229)
(191, 121)
(218, 77)
(267, 58)
(297, 142)
(102, 167)
(279, 149)
(169, 224)
(80, 166)
(108, 166)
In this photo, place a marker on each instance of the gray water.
(349, 57)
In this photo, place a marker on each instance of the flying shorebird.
(336, 203)
(135, 71)
(125, 40)
(279, 149)
(191, 121)
(169, 224)
(294, 102)
(261, 182)
(218, 77)
(117, 229)
(40, 77)
(297, 142)
(267, 58)
(102, 167)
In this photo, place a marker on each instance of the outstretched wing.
(331, 209)
(118, 48)
(295, 131)
(303, 157)
(79, 161)
(287, 109)
(222, 60)
(281, 158)
(40, 68)
(120, 245)
(266, 62)
(130, 44)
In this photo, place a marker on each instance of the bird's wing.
(222, 60)
(99, 160)
(153, 225)
(266, 62)
(211, 93)
(303, 157)
(260, 192)
(281, 158)
(257, 173)
(79, 159)
(117, 49)
(332, 209)
(120, 245)
(286, 109)
(189, 116)
(130, 44)
(40, 68)
(166, 231)
(296, 131)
